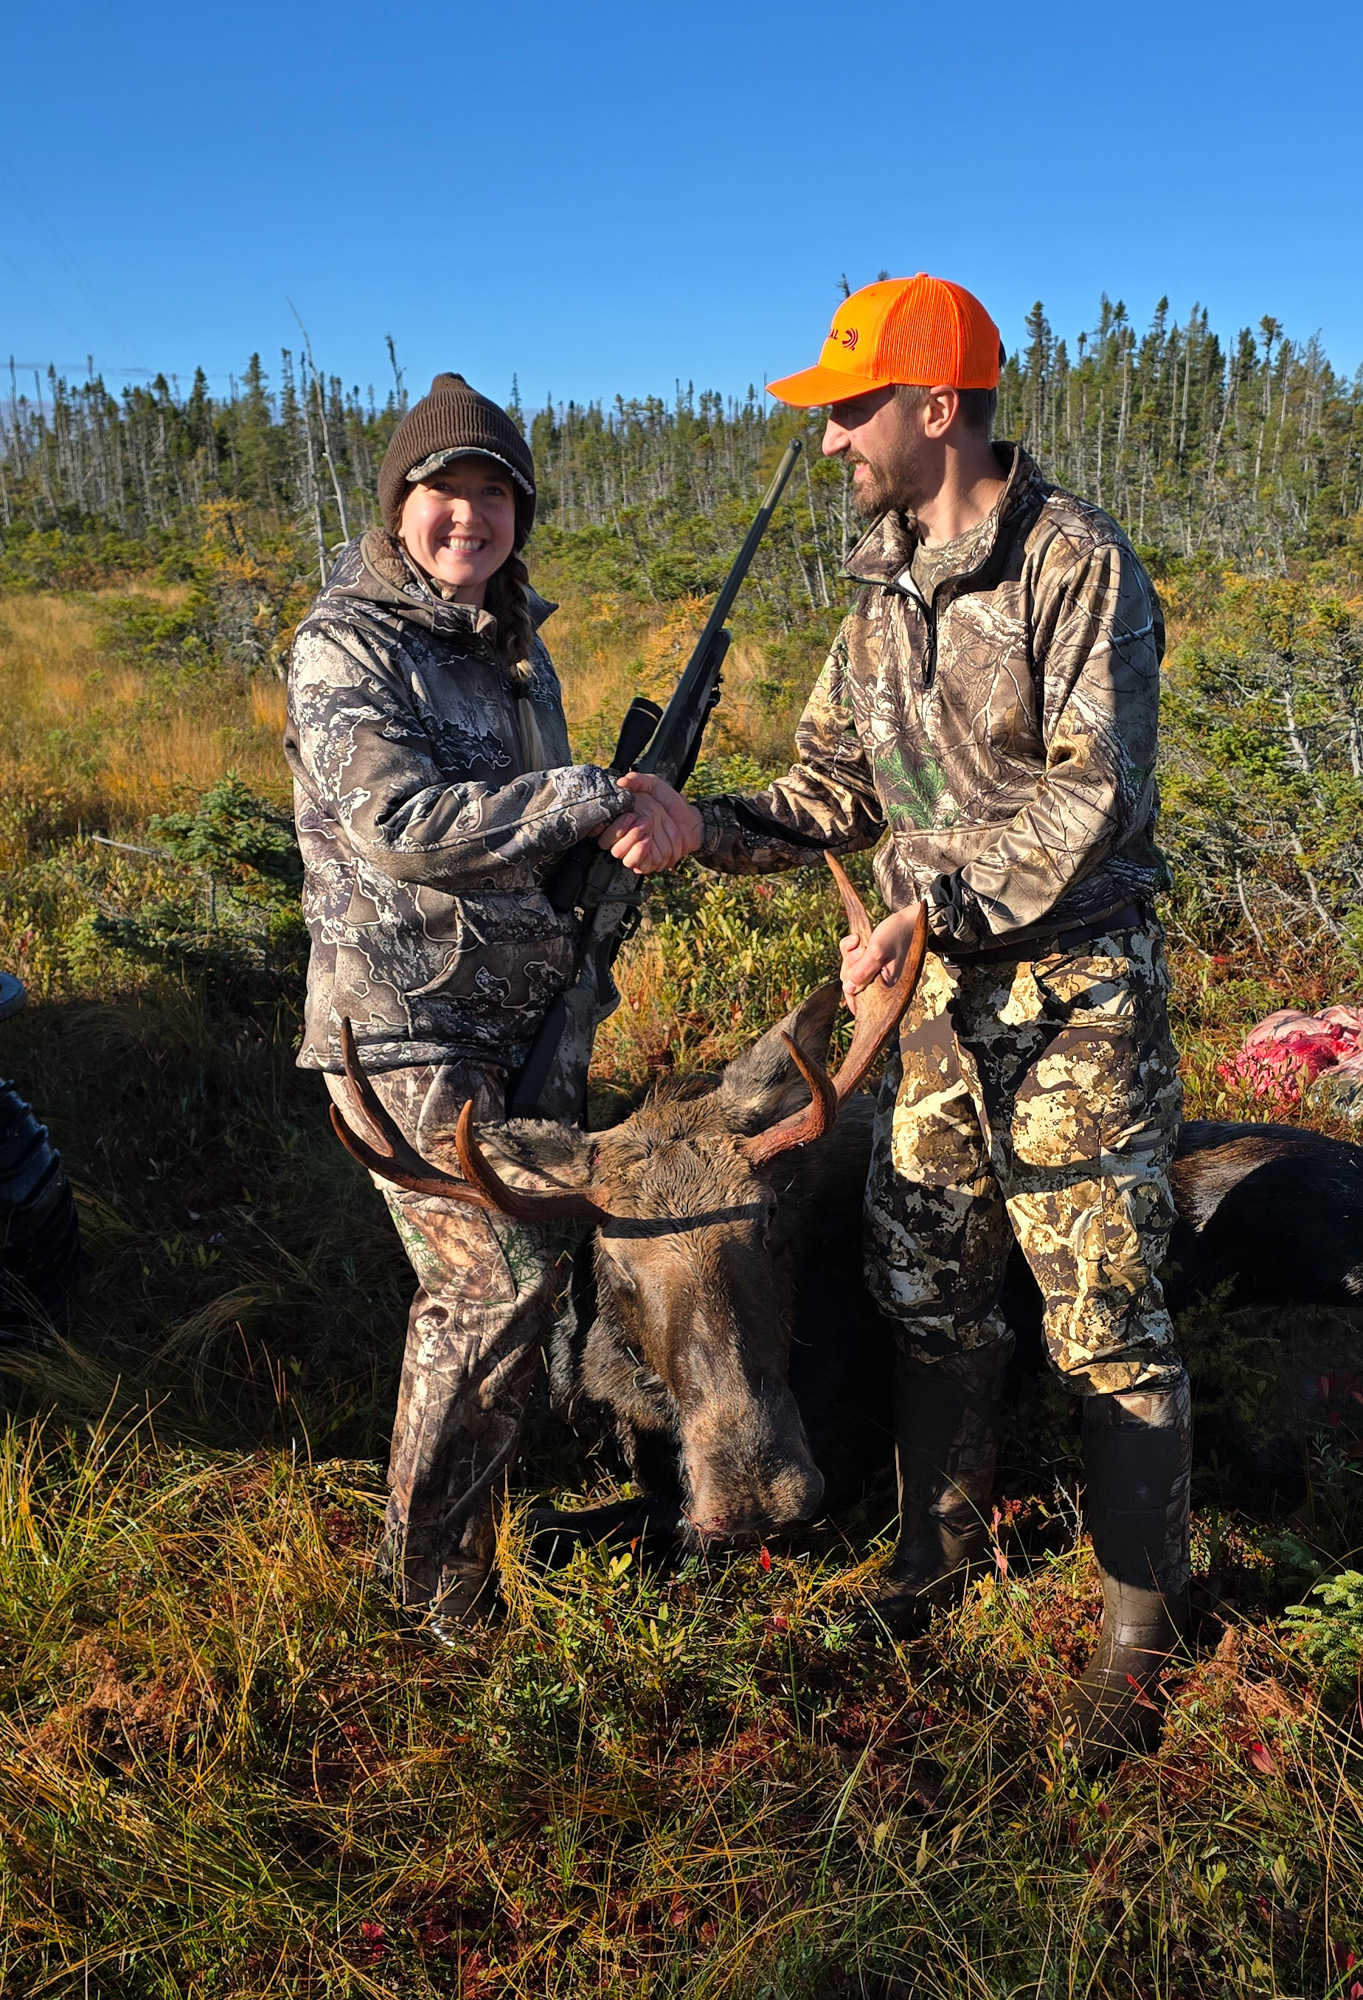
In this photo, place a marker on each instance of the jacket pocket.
(484, 966)
(363, 988)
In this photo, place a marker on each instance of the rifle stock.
(552, 1082)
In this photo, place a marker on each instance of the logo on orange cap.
(919, 329)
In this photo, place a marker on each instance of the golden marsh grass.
(78, 720)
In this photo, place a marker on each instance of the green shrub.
(1331, 1633)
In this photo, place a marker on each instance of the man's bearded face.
(891, 463)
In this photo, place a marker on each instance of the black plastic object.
(39, 1233)
(641, 719)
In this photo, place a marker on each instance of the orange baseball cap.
(919, 329)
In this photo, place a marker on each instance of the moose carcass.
(726, 1325)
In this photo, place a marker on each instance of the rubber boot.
(946, 1447)
(458, 1544)
(468, 1592)
(1137, 1457)
(468, 1595)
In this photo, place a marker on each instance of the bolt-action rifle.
(606, 895)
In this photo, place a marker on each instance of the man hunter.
(987, 717)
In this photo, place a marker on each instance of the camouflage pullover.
(1001, 737)
(430, 800)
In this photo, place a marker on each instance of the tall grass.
(105, 736)
(228, 1768)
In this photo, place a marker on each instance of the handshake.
(664, 828)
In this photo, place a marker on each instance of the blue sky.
(608, 198)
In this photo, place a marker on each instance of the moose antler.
(399, 1162)
(393, 1159)
(530, 1204)
(880, 1007)
(802, 1126)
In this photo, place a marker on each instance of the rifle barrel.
(681, 710)
(733, 582)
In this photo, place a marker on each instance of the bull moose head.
(691, 1201)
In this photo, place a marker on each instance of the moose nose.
(794, 1495)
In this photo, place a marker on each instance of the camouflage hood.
(431, 798)
(999, 739)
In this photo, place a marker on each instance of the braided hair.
(507, 598)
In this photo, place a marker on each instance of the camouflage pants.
(1035, 1101)
(485, 1295)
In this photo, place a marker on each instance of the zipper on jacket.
(930, 657)
(910, 589)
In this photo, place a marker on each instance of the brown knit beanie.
(451, 420)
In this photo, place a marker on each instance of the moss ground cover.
(227, 1769)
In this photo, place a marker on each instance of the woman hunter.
(434, 788)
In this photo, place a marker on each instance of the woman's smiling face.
(459, 524)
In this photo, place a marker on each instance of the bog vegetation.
(226, 1767)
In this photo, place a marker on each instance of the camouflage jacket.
(1002, 738)
(430, 800)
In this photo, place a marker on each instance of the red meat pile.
(1283, 1056)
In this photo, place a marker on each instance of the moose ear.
(526, 1152)
(763, 1084)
